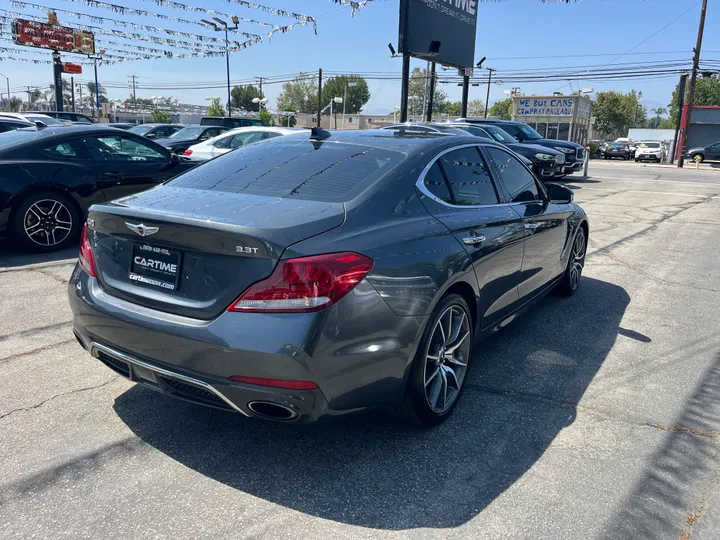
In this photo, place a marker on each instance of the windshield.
(651, 144)
(309, 170)
(18, 136)
(187, 134)
(521, 132)
(44, 119)
(140, 130)
(499, 134)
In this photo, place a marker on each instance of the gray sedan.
(321, 274)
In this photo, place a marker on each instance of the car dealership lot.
(591, 417)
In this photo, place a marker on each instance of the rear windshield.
(47, 120)
(141, 130)
(316, 171)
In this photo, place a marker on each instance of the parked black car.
(319, 274)
(77, 118)
(230, 122)
(547, 163)
(181, 140)
(574, 152)
(156, 131)
(50, 177)
(618, 150)
(122, 125)
(710, 152)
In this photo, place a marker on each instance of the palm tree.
(67, 95)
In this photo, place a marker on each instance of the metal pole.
(331, 111)
(72, 86)
(466, 88)
(431, 96)
(425, 92)
(344, 100)
(319, 109)
(227, 62)
(404, 88)
(97, 91)
(681, 103)
(487, 99)
(57, 73)
(691, 87)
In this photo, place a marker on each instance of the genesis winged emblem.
(141, 229)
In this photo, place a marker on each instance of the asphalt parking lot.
(591, 417)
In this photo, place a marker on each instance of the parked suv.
(650, 150)
(574, 152)
(230, 122)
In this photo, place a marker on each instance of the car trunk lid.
(192, 252)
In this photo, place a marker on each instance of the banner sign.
(441, 31)
(75, 69)
(57, 38)
(545, 107)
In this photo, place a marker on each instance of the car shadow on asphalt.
(372, 471)
(11, 257)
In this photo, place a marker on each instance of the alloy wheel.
(447, 358)
(47, 222)
(578, 259)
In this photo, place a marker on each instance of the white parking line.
(652, 192)
(626, 179)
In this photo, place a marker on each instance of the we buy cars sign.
(50, 36)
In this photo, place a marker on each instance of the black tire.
(636, 160)
(416, 408)
(62, 219)
(576, 262)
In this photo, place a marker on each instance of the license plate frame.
(155, 267)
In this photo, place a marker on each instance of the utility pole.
(133, 77)
(691, 87)
(678, 125)
(79, 87)
(319, 109)
(261, 92)
(487, 100)
(431, 96)
(72, 86)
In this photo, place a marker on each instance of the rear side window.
(310, 170)
(518, 181)
(468, 177)
(435, 183)
(62, 150)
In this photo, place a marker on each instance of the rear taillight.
(306, 284)
(86, 256)
(187, 152)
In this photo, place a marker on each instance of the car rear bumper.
(356, 365)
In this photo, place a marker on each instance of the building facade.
(565, 118)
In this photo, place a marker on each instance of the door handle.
(473, 240)
(114, 175)
(531, 226)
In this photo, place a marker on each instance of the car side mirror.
(560, 193)
(39, 124)
(201, 139)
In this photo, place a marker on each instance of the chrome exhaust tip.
(272, 411)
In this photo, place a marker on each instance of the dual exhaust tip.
(272, 411)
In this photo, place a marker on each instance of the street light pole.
(347, 83)
(487, 99)
(225, 27)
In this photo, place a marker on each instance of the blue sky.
(508, 34)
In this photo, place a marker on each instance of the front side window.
(518, 181)
(468, 177)
(112, 148)
(223, 142)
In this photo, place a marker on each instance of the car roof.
(275, 129)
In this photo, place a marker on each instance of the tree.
(452, 108)
(418, 93)
(476, 108)
(266, 117)
(139, 101)
(299, 95)
(654, 123)
(66, 91)
(160, 117)
(215, 108)
(707, 92)
(615, 113)
(11, 105)
(357, 96)
(502, 109)
(241, 97)
(287, 118)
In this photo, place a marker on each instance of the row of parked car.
(627, 150)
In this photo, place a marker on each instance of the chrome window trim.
(94, 346)
(420, 184)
